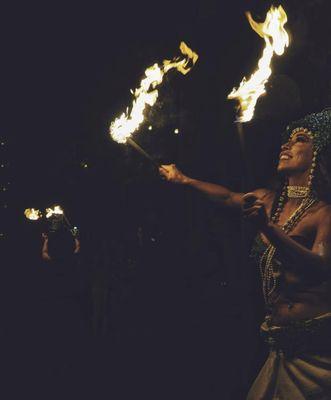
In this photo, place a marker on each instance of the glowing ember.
(123, 127)
(276, 40)
(57, 210)
(32, 214)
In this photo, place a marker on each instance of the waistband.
(309, 335)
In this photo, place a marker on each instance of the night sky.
(68, 68)
(66, 72)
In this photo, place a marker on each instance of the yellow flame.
(123, 127)
(57, 210)
(276, 40)
(32, 214)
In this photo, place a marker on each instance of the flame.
(276, 40)
(32, 214)
(123, 127)
(57, 210)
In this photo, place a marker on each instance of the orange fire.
(32, 214)
(276, 40)
(57, 210)
(123, 127)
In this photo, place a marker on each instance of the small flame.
(123, 127)
(32, 214)
(57, 210)
(276, 40)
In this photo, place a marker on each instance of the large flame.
(123, 127)
(32, 214)
(276, 40)
(57, 210)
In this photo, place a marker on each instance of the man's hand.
(254, 210)
(173, 174)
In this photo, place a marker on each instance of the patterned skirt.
(299, 363)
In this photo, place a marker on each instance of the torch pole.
(245, 174)
(240, 131)
(67, 221)
(73, 229)
(137, 147)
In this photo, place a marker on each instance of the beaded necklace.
(297, 192)
(268, 274)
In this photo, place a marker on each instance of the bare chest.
(303, 230)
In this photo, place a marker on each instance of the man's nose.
(285, 146)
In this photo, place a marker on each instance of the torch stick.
(136, 146)
(240, 131)
(67, 221)
(73, 229)
(245, 175)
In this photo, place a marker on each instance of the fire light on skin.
(122, 127)
(32, 214)
(276, 40)
(57, 210)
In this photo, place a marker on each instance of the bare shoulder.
(321, 220)
(323, 212)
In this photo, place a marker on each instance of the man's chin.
(281, 169)
(286, 170)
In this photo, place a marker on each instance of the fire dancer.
(61, 246)
(293, 252)
(64, 242)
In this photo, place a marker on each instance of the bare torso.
(300, 296)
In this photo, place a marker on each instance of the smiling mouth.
(284, 157)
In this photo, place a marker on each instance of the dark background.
(164, 303)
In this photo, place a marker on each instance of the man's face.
(296, 155)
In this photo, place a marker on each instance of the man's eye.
(301, 139)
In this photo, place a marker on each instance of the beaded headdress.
(318, 127)
(317, 124)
